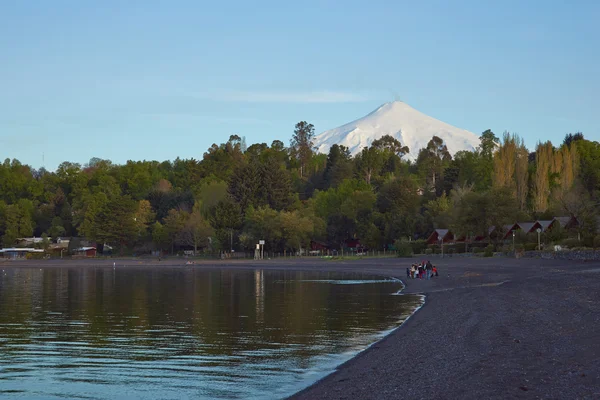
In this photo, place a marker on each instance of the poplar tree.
(511, 166)
(522, 175)
(504, 163)
(570, 166)
(543, 159)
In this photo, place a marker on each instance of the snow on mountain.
(411, 127)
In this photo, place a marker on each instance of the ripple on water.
(178, 334)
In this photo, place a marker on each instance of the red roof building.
(440, 235)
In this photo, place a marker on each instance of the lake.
(189, 332)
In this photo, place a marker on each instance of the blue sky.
(161, 79)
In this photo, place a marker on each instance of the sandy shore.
(490, 328)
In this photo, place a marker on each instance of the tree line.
(236, 194)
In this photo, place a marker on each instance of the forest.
(235, 195)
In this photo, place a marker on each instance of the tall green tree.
(339, 166)
(432, 161)
(369, 162)
(589, 155)
(196, 231)
(116, 224)
(302, 143)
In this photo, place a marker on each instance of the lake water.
(179, 333)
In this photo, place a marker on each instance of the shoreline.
(488, 328)
(491, 328)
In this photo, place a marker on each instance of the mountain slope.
(411, 127)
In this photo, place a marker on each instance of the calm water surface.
(168, 333)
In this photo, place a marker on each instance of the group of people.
(424, 270)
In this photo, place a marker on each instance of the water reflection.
(183, 333)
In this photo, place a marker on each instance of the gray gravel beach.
(491, 328)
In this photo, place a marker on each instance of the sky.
(157, 80)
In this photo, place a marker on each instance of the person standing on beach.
(407, 272)
(428, 269)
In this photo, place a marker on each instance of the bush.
(556, 234)
(35, 256)
(477, 250)
(519, 248)
(489, 251)
(530, 246)
(457, 248)
(588, 241)
(570, 243)
(428, 251)
(404, 249)
(418, 246)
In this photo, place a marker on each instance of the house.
(566, 223)
(461, 238)
(353, 244)
(483, 238)
(319, 246)
(30, 241)
(529, 227)
(508, 230)
(20, 252)
(525, 227)
(546, 225)
(440, 235)
(86, 252)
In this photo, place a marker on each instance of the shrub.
(570, 243)
(434, 248)
(519, 248)
(556, 234)
(477, 250)
(34, 256)
(588, 241)
(460, 248)
(418, 246)
(489, 251)
(530, 246)
(428, 251)
(403, 249)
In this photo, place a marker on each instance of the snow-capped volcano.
(411, 127)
